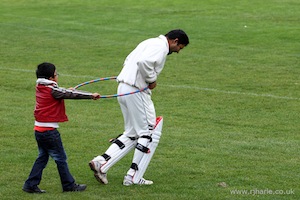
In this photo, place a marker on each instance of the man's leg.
(143, 109)
(117, 150)
(142, 157)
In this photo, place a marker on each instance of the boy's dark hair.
(45, 70)
(180, 34)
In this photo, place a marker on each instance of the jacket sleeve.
(62, 93)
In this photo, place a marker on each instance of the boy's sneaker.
(101, 177)
(128, 180)
(35, 189)
(76, 188)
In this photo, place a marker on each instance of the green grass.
(230, 100)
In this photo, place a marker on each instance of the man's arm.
(150, 63)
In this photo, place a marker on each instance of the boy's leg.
(39, 165)
(57, 152)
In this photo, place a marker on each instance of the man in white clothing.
(142, 128)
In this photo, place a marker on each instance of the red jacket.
(47, 108)
(50, 106)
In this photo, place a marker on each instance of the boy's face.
(55, 78)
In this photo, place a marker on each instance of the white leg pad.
(142, 166)
(115, 153)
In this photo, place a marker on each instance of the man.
(142, 129)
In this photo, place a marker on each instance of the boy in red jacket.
(49, 111)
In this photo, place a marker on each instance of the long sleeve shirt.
(145, 62)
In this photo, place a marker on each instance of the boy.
(49, 111)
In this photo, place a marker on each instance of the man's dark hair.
(180, 34)
(45, 70)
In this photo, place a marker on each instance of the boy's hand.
(96, 96)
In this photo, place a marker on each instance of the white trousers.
(138, 111)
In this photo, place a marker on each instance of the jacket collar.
(44, 81)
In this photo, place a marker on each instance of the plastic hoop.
(105, 79)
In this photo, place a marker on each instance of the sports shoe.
(76, 188)
(35, 189)
(128, 180)
(101, 177)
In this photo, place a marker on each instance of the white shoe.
(128, 180)
(101, 177)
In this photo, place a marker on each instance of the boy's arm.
(62, 93)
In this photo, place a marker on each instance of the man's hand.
(152, 85)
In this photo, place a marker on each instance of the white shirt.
(145, 62)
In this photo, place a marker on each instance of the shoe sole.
(92, 166)
(76, 190)
(32, 191)
(129, 183)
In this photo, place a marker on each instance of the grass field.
(230, 100)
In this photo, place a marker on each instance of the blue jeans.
(50, 144)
